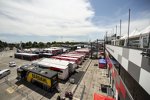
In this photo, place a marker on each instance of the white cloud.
(61, 18)
(46, 17)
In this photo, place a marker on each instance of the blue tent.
(102, 61)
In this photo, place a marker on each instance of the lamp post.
(120, 28)
(128, 28)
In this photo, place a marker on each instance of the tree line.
(35, 44)
(45, 45)
(3, 44)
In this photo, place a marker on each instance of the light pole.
(128, 28)
(120, 27)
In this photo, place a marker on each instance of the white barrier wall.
(134, 63)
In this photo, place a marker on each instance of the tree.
(23, 45)
(29, 44)
(41, 45)
(35, 44)
(3, 44)
(48, 44)
(67, 42)
(54, 42)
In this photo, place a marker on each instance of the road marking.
(20, 86)
(10, 90)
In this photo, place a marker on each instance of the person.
(58, 98)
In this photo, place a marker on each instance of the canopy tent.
(102, 97)
(134, 33)
(146, 30)
(124, 36)
(102, 61)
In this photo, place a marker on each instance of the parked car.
(12, 64)
(4, 73)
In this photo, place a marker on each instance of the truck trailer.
(47, 79)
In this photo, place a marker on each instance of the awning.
(102, 97)
(102, 61)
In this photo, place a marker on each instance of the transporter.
(46, 79)
(81, 57)
(26, 56)
(76, 60)
(64, 68)
(53, 50)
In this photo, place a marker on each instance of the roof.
(32, 49)
(26, 54)
(102, 61)
(124, 36)
(74, 52)
(133, 33)
(73, 55)
(83, 49)
(66, 57)
(3, 70)
(46, 64)
(53, 48)
(44, 72)
(49, 62)
(146, 30)
(137, 33)
(50, 54)
(56, 61)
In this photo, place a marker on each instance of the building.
(129, 71)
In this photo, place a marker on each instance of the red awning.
(109, 63)
(102, 97)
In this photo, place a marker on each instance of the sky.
(69, 20)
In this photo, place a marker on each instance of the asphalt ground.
(91, 82)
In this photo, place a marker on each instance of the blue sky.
(69, 20)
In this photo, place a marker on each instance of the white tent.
(124, 36)
(136, 33)
(133, 33)
(146, 30)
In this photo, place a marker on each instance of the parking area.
(5, 58)
(22, 90)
